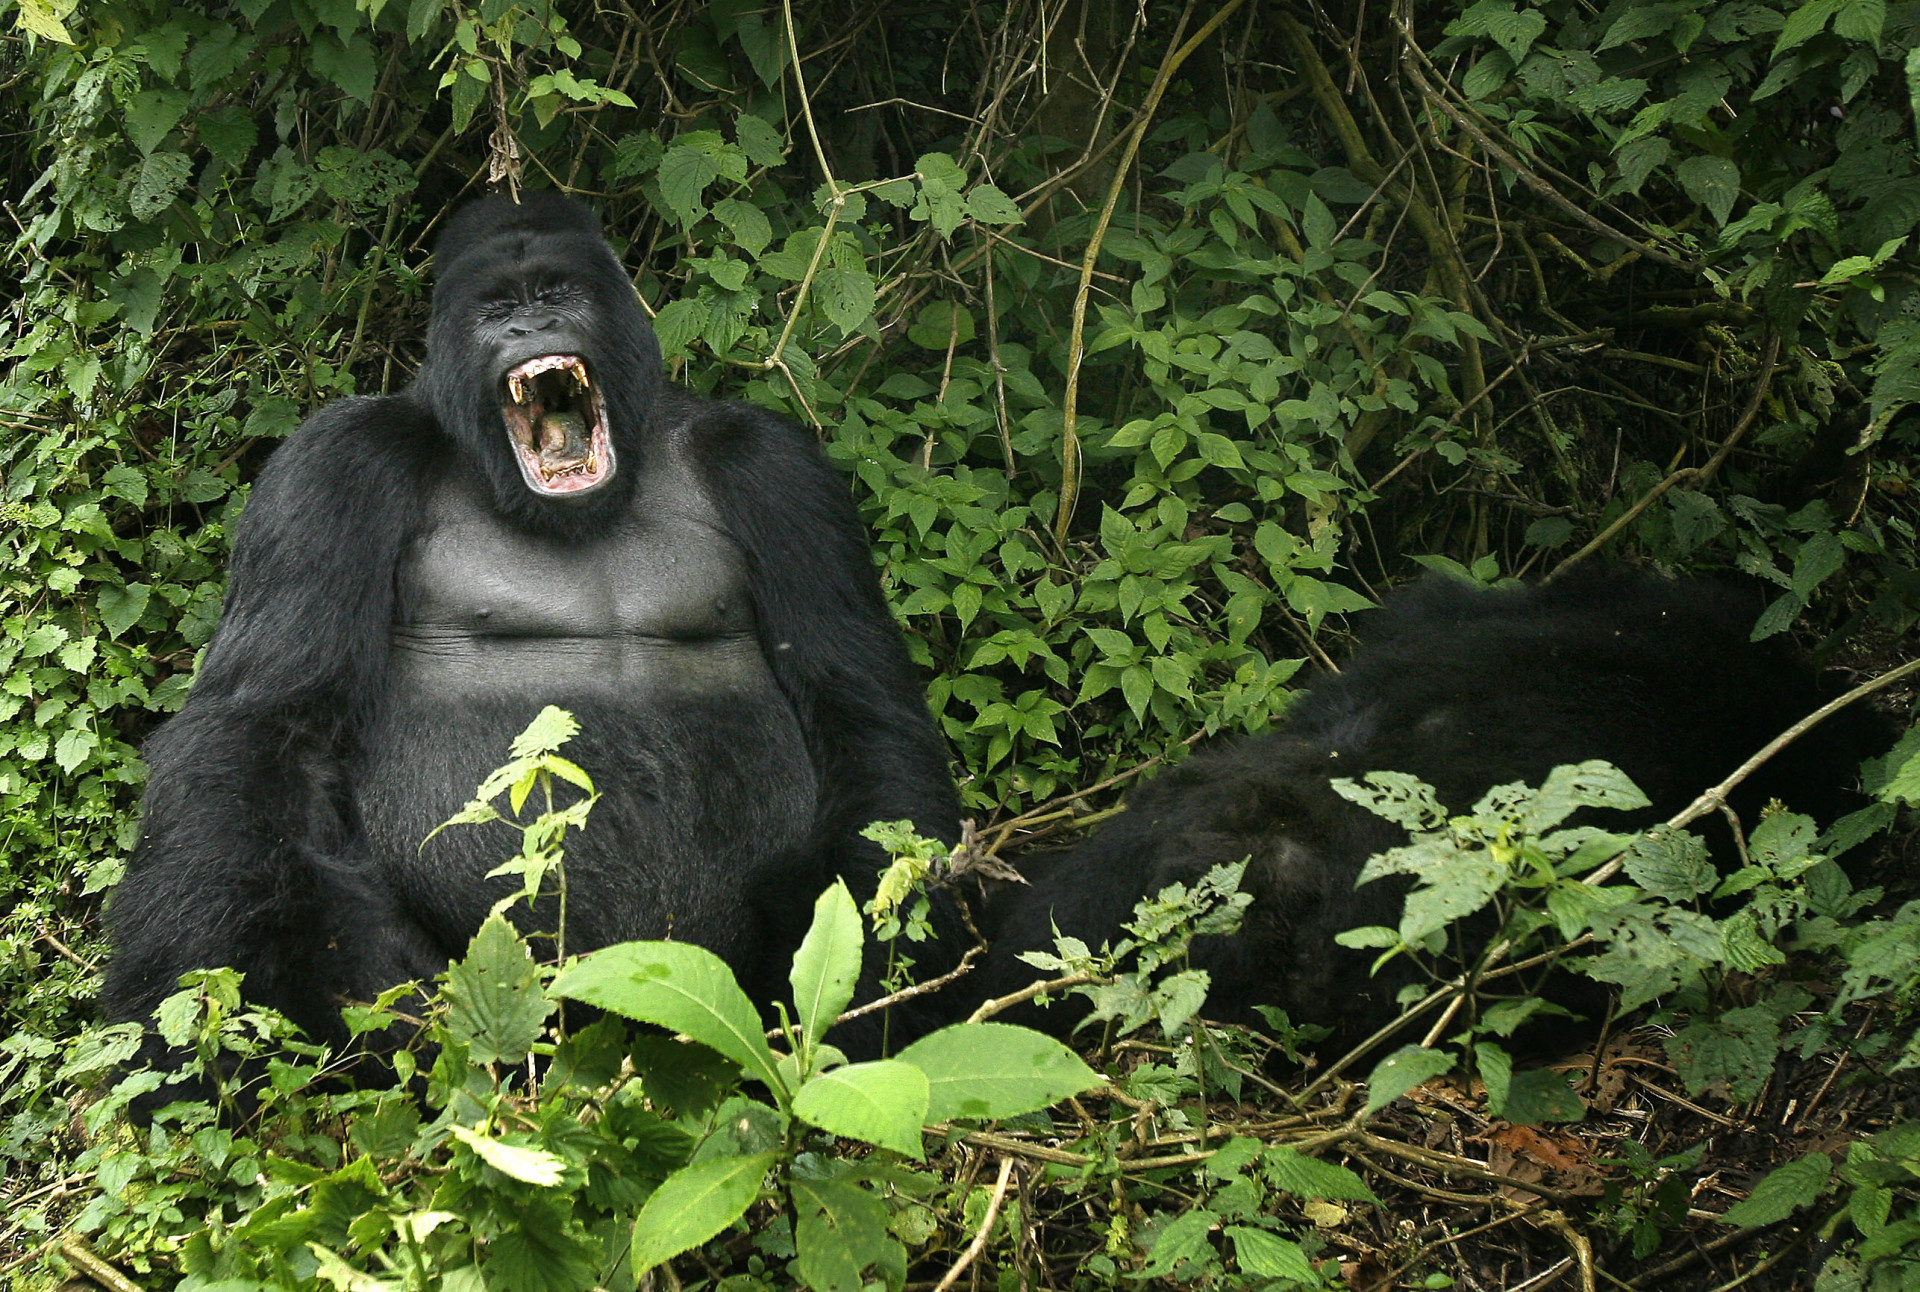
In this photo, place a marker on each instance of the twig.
(1000, 1004)
(1077, 346)
(1685, 474)
(1713, 798)
(908, 993)
(75, 1249)
(979, 1243)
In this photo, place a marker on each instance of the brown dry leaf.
(1540, 1148)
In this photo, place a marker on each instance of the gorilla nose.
(528, 324)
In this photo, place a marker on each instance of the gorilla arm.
(249, 855)
(830, 639)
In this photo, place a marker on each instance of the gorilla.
(540, 518)
(1465, 689)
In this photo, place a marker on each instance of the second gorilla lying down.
(1466, 690)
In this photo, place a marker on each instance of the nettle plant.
(526, 1154)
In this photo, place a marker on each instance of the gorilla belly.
(649, 640)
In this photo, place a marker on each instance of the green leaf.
(1820, 557)
(827, 965)
(1269, 1256)
(1861, 20)
(942, 324)
(152, 114)
(1289, 1170)
(121, 608)
(1803, 24)
(1496, 1069)
(762, 143)
(551, 728)
(847, 296)
(528, 1165)
(680, 987)
(989, 1070)
(1401, 1071)
(1714, 182)
(495, 1004)
(695, 1203)
(1782, 1191)
(989, 205)
(73, 747)
(684, 175)
(747, 222)
(1182, 1239)
(883, 1102)
(842, 1230)
(1669, 864)
(158, 181)
(1539, 1096)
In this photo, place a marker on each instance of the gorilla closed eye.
(557, 424)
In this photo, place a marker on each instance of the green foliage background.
(1283, 302)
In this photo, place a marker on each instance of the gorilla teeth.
(518, 389)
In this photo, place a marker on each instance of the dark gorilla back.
(1466, 690)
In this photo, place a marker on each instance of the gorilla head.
(540, 362)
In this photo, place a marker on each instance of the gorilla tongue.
(564, 441)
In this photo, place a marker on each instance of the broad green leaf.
(551, 728)
(827, 965)
(1308, 1177)
(1401, 1071)
(695, 1203)
(494, 1000)
(1496, 1069)
(989, 205)
(152, 114)
(989, 1070)
(1782, 1191)
(1714, 182)
(1671, 865)
(1182, 1239)
(1269, 1256)
(883, 1102)
(528, 1165)
(1541, 1095)
(156, 183)
(680, 987)
(842, 1230)
(684, 175)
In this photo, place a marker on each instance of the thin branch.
(979, 1243)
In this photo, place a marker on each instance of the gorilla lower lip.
(557, 426)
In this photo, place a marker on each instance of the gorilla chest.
(658, 603)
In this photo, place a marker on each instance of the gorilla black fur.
(540, 518)
(1466, 690)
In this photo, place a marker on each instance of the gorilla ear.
(544, 213)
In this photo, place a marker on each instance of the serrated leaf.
(1269, 1256)
(73, 747)
(695, 1203)
(847, 296)
(1401, 1071)
(883, 1102)
(827, 965)
(1308, 1177)
(158, 181)
(1541, 1095)
(1714, 182)
(684, 175)
(1782, 1191)
(982, 1071)
(494, 999)
(680, 987)
(1671, 864)
(747, 222)
(152, 114)
(841, 1231)
(989, 205)
(121, 608)
(527, 1165)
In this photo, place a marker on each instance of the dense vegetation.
(1155, 341)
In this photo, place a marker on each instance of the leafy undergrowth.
(1759, 1127)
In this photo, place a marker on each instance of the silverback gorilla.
(540, 518)
(1466, 690)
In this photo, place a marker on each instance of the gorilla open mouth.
(557, 426)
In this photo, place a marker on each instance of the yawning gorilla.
(1466, 690)
(539, 519)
